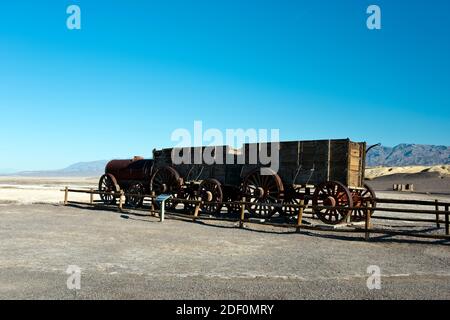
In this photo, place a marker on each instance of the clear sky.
(138, 70)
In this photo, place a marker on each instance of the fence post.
(121, 200)
(91, 199)
(438, 225)
(447, 227)
(66, 195)
(368, 225)
(152, 205)
(300, 215)
(242, 216)
(197, 209)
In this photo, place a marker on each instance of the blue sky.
(138, 70)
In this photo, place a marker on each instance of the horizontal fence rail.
(413, 202)
(301, 210)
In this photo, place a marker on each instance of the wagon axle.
(329, 202)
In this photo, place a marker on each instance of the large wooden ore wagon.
(326, 173)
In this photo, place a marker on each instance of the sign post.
(161, 201)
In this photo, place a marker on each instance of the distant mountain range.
(400, 155)
(408, 155)
(79, 169)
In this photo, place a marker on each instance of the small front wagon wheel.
(135, 199)
(362, 200)
(292, 196)
(108, 186)
(212, 195)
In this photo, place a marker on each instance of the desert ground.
(131, 255)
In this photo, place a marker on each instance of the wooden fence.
(367, 228)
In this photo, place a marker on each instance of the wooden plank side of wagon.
(233, 174)
(229, 173)
(339, 155)
(289, 153)
(313, 162)
(356, 164)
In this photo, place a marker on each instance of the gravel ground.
(132, 256)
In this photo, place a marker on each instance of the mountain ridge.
(407, 154)
(78, 169)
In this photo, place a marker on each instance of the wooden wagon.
(328, 173)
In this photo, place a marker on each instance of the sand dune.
(376, 172)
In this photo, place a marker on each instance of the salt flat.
(28, 190)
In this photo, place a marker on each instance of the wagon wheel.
(135, 200)
(263, 191)
(211, 191)
(232, 207)
(108, 183)
(229, 198)
(332, 194)
(172, 204)
(190, 192)
(166, 180)
(292, 195)
(362, 198)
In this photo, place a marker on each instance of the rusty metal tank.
(130, 171)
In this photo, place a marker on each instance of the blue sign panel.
(163, 197)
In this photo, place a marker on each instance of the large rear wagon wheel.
(166, 180)
(332, 194)
(263, 191)
(108, 184)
